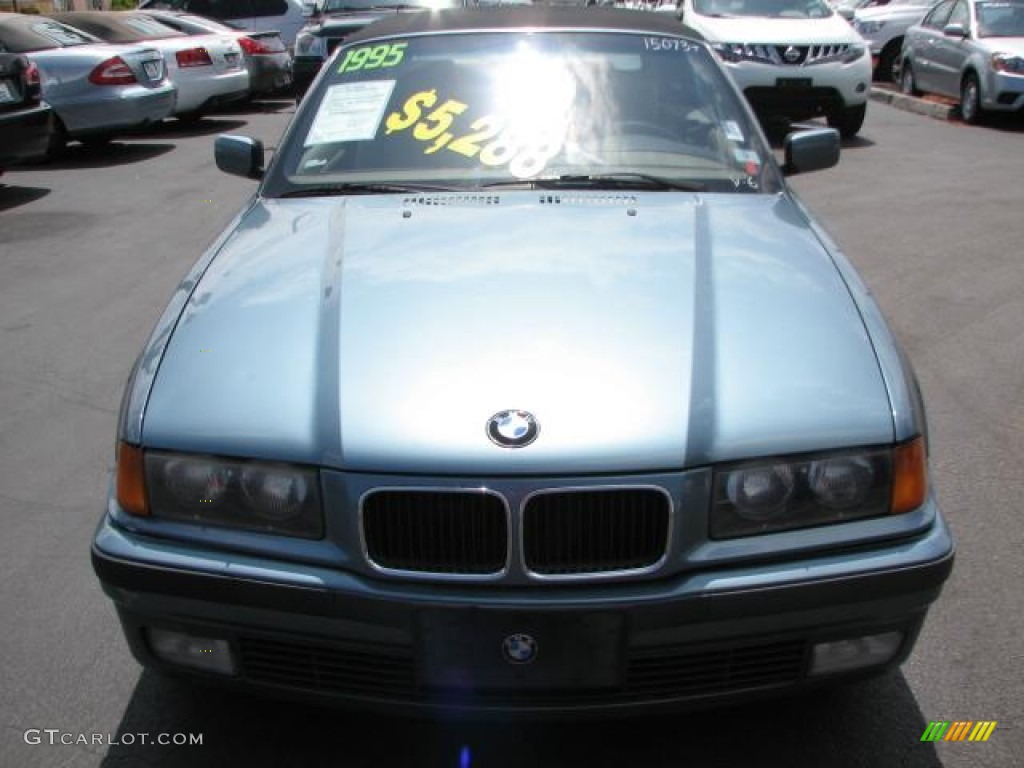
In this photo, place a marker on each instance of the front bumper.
(694, 639)
(1005, 92)
(803, 91)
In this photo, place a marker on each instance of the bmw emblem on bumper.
(519, 649)
(512, 429)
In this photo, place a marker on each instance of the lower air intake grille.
(663, 673)
(668, 671)
(356, 669)
(436, 531)
(578, 532)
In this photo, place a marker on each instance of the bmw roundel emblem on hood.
(513, 429)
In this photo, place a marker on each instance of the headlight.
(274, 494)
(307, 44)
(868, 27)
(782, 494)
(760, 493)
(734, 52)
(841, 483)
(273, 498)
(853, 53)
(1007, 62)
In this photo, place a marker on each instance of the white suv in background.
(883, 27)
(795, 59)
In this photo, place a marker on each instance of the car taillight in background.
(261, 46)
(33, 82)
(193, 57)
(31, 74)
(113, 71)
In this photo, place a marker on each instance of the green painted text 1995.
(373, 57)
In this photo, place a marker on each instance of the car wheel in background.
(970, 99)
(847, 120)
(907, 84)
(887, 70)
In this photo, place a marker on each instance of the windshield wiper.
(328, 190)
(604, 181)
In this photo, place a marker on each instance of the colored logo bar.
(959, 730)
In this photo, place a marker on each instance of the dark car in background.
(26, 121)
(335, 20)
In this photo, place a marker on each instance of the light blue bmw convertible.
(523, 384)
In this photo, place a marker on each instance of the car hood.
(1011, 45)
(833, 29)
(907, 13)
(643, 332)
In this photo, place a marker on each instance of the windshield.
(24, 34)
(476, 110)
(783, 9)
(331, 6)
(149, 28)
(1000, 19)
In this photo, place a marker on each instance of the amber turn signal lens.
(131, 480)
(910, 476)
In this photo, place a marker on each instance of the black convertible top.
(113, 26)
(508, 18)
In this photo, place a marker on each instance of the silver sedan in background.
(266, 57)
(95, 89)
(208, 70)
(972, 50)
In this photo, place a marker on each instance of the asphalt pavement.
(92, 247)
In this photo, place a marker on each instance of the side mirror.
(811, 150)
(239, 156)
(954, 30)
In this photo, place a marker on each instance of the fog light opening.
(205, 653)
(854, 653)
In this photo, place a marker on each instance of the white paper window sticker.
(732, 130)
(350, 112)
